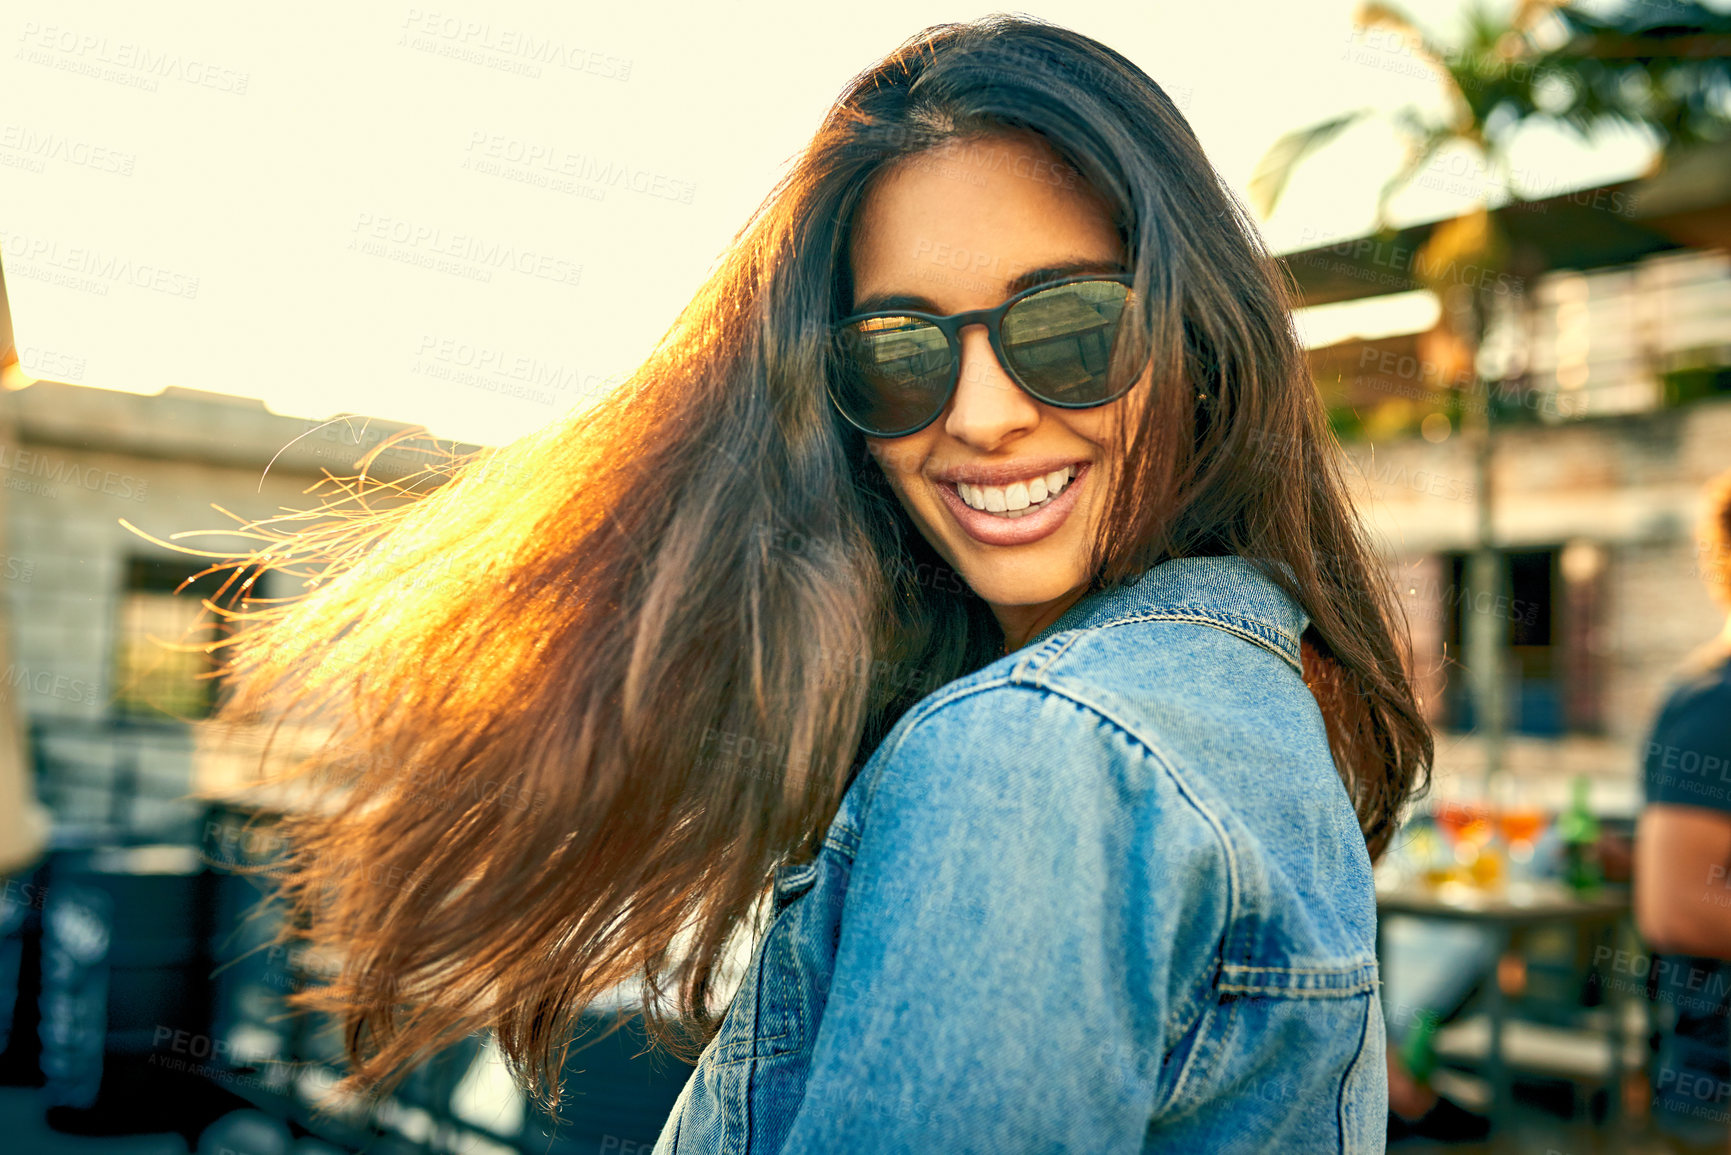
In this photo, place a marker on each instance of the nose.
(989, 408)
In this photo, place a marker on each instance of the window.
(157, 676)
(1546, 608)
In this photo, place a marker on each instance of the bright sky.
(297, 205)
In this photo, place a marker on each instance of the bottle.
(1579, 831)
(1418, 1050)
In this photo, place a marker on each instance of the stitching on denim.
(1255, 625)
(1307, 982)
(1264, 625)
(1074, 637)
(753, 1052)
(1211, 1037)
(1181, 1019)
(792, 879)
(1234, 886)
(1200, 996)
(1278, 990)
(1183, 783)
(1343, 968)
(1250, 629)
(1299, 993)
(748, 1099)
(1275, 641)
(1018, 676)
(757, 1002)
(1352, 1068)
(843, 834)
(753, 1042)
(761, 963)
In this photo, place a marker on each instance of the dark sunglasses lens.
(1060, 341)
(892, 373)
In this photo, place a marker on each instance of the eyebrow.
(881, 302)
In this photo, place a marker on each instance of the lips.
(996, 529)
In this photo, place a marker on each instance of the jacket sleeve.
(995, 989)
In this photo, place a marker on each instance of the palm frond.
(1276, 166)
(1419, 154)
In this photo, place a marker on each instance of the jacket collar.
(1226, 592)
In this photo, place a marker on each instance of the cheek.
(1104, 426)
(899, 461)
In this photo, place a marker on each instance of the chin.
(1028, 581)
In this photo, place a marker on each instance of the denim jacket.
(1106, 894)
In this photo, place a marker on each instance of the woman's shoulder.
(1198, 684)
(1176, 635)
(990, 717)
(1215, 695)
(1131, 697)
(992, 767)
(1200, 778)
(1010, 750)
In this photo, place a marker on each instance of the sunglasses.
(895, 370)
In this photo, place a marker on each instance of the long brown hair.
(585, 695)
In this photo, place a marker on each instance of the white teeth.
(1018, 498)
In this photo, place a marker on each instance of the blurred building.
(101, 581)
(1609, 360)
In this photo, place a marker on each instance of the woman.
(968, 574)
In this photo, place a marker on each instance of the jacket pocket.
(1364, 1089)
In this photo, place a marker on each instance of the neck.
(1020, 623)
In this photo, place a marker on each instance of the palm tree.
(1662, 66)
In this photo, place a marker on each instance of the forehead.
(957, 223)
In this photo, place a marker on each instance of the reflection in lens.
(891, 372)
(1060, 341)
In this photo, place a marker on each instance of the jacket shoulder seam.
(1254, 630)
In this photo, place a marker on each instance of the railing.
(149, 987)
(116, 782)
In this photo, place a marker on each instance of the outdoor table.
(1506, 913)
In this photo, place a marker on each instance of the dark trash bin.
(125, 1001)
(21, 900)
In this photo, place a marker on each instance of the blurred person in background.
(1682, 867)
(1431, 969)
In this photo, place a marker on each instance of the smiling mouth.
(1017, 499)
(1032, 521)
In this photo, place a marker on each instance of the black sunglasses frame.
(952, 324)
